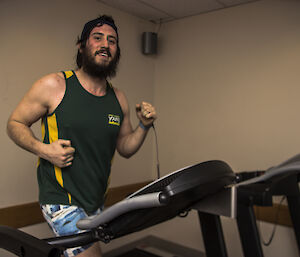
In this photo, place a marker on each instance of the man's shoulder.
(51, 81)
(49, 86)
(119, 94)
(49, 90)
(53, 78)
(122, 99)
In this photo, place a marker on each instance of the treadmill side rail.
(25, 245)
(223, 203)
(138, 202)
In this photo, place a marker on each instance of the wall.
(227, 87)
(231, 81)
(38, 38)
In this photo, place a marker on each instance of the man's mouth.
(103, 52)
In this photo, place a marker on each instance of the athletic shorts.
(62, 220)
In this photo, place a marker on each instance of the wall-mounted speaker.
(149, 43)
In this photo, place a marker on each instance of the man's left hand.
(146, 113)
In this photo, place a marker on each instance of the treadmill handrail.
(124, 206)
(25, 245)
(157, 181)
(293, 167)
(294, 159)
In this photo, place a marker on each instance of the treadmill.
(211, 188)
(237, 201)
(170, 196)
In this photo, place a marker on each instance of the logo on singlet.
(114, 119)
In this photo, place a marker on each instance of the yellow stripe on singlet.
(53, 136)
(69, 74)
(43, 137)
(108, 183)
(108, 180)
(110, 85)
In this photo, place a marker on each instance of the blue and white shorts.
(62, 220)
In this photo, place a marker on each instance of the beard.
(97, 70)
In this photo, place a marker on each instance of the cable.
(160, 23)
(157, 156)
(274, 227)
(184, 214)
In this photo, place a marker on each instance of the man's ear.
(79, 46)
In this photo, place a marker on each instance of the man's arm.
(129, 140)
(37, 102)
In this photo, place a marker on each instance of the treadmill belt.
(137, 253)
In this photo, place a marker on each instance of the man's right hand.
(60, 153)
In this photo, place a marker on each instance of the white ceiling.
(159, 11)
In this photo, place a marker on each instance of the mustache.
(103, 50)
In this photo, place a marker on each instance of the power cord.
(267, 243)
(157, 156)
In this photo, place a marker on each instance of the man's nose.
(105, 43)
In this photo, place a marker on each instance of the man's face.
(99, 54)
(102, 44)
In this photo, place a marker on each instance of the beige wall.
(225, 85)
(37, 38)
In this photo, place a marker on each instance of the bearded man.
(84, 120)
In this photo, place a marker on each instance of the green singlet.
(92, 124)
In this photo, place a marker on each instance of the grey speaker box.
(149, 43)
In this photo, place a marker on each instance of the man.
(84, 119)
